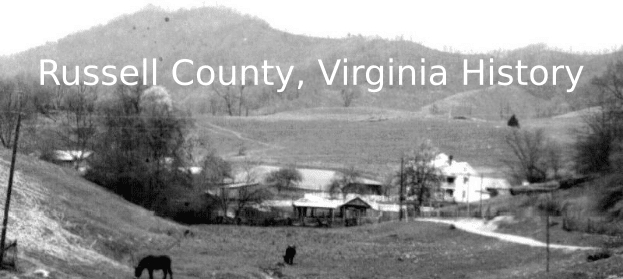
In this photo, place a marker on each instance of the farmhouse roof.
(449, 167)
(240, 185)
(358, 202)
(318, 202)
(312, 179)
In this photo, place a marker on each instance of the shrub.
(601, 254)
(609, 196)
(242, 151)
(547, 204)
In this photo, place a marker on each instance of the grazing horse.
(152, 263)
(289, 256)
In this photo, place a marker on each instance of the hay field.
(372, 142)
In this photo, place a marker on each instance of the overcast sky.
(473, 25)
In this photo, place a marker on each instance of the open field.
(371, 142)
(389, 250)
(492, 103)
(370, 139)
(562, 129)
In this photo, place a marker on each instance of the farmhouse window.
(450, 179)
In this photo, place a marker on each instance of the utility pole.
(480, 209)
(467, 198)
(402, 187)
(547, 241)
(10, 186)
(548, 210)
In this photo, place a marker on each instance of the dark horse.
(289, 256)
(152, 263)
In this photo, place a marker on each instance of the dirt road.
(478, 226)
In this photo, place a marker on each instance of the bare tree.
(536, 159)
(17, 95)
(138, 152)
(214, 172)
(235, 93)
(248, 176)
(611, 82)
(598, 141)
(228, 96)
(345, 179)
(420, 175)
(250, 194)
(80, 119)
(601, 139)
(59, 93)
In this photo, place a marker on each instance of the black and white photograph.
(338, 139)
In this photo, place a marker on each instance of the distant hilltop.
(221, 36)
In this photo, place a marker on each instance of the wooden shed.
(328, 212)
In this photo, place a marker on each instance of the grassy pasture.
(388, 250)
(371, 146)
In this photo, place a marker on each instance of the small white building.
(69, 158)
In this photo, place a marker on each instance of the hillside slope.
(68, 226)
(492, 103)
(220, 36)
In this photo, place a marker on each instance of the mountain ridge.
(224, 36)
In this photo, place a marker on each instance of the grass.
(75, 229)
(374, 147)
(388, 250)
(535, 228)
(67, 225)
(576, 203)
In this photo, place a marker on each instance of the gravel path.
(478, 226)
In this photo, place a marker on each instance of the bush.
(536, 157)
(603, 132)
(609, 196)
(242, 151)
(601, 254)
(592, 152)
(546, 204)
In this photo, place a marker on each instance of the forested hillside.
(220, 36)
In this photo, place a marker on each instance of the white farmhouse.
(462, 183)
